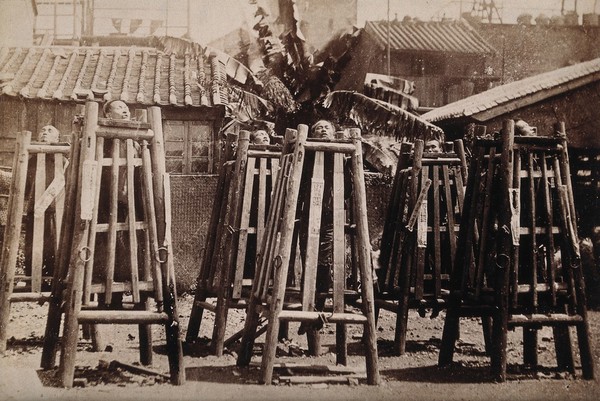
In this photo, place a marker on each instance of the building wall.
(527, 50)
(439, 78)
(367, 56)
(578, 109)
(29, 115)
(16, 23)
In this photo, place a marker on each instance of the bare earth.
(413, 376)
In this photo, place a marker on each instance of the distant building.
(446, 60)
(17, 19)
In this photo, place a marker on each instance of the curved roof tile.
(136, 74)
(440, 36)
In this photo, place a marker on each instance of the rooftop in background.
(447, 36)
(144, 76)
(519, 93)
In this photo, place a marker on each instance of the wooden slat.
(330, 147)
(122, 317)
(29, 296)
(268, 245)
(124, 134)
(532, 221)
(39, 148)
(112, 221)
(339, 243)
(284, 246)
(437, 246)
(522, 230)
(14, 219)
(262, 199)
(120, 226)
(549, 214)
(311, 316)
(451, 227)
(150, 210)
(314, 231)
(484, 204)
(274, 171)
(37, 247)
(89, 265)
(59, 201)
(551, 319)
(240, 260)
(399, 228)
(217, 252)
(421, 249)
(542, 287)
(133, 243)
(146, 286)
(128, 125)
(364, 259)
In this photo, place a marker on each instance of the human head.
(260, 137)
(432, 146)
(524, 129)
(117, 110)
(48, 134)
(322, 129)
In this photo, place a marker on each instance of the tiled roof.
(138, 75)
(445, 36)
(527, 91)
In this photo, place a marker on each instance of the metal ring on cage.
(157, 255)
(88, 251)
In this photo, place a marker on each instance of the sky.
(214, 18)
(219, 16)
(428, 9)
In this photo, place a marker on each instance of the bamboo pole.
(364, 259)
(53, 320)
(112, 221)
(231, 244)
(159, 170)
(10, 247)
(503, 260)
(131, 219)
(74, 295)
(282, 259)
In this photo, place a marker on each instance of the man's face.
(523, 128)
(118, 111)
(48, 134)
(261, 138)
(323, 129)
(432, 146)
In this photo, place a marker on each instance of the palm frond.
(378, 117)
(275, 91)
(245, 106)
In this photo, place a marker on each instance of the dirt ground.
(413, 376)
